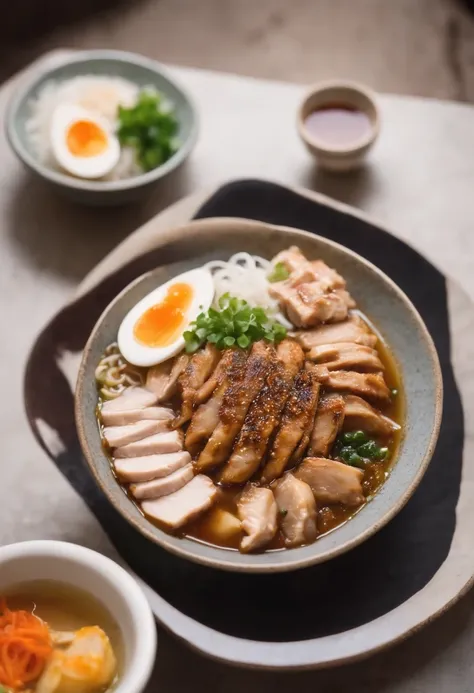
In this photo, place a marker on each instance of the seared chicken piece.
(244, 385)
(215, 379)
(180, 507)
(206, 417)
(359, 414)
(341, 355)
(292, 259)
(122, 418)
(327, 424)
(370, 385)
(196, 373)
(263, 415)
(309, 303)
(303, 270)
(297, 507)
(138, 469)
(354, 329)
(297, 417)
(117, 436)
(163, 378)
(157, 488)
(157, 444)
(331, 481)
(258, 513)
(131, 398)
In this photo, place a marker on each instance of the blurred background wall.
(419, 47)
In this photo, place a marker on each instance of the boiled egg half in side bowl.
(152, 331)
(82, 143)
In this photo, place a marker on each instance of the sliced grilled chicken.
(215, 379)
(194, 376)
(180, 507)
(310, 304)
(132, 398)
(206, 417)
(297, 417)
(263, 415)
(327, 424)
(292, 259)
(163, 378)
(354, 329)
(359, 414)
(332, 481)
(342, 355)
(164, 486)
(157, 444)
(148, 467)
(122, 418)
(370, 385)
(117, 436)
(244, 385)
(297, 507)
(303, 270)
(258, 512)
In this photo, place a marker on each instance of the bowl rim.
(189, 230)
(32, 80)
(349, 87)
(138, 672)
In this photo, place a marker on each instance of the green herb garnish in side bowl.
(236, 323)
(150, 127)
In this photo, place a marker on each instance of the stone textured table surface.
(419, 182)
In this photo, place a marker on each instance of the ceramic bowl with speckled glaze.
(376, 295)
(137, 69)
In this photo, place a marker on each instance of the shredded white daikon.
(245, 276)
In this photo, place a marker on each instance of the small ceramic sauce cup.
(338, 123)
(106, 581)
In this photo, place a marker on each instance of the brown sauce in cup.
(338, 125)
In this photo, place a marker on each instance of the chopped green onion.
(235, 323)
(279, 273)
(359, 438)
(382, 454)
(368, 450)
(355, 460)
(394, 392)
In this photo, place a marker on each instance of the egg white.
(141, 355)
(64, 116)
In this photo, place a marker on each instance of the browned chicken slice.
(354, 329)
(163, 378)
(371, 385)
(292, 259)
(263, 415)
(258, 512)
(206, 417)
(327, 424)
(156, 444)
(196, 373)
(180, 507)
(309, 303)
(342, 355)
(131, 399)
(297, 507)
(121, 418)
(244, 385)
(359, 414)
(297, 417)
(331, 481)
(303, 270)
(216, 377)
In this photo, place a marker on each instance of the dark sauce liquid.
(338, 126)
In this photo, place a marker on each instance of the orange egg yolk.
(164, 322)
(85, 138)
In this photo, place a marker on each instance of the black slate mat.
(346, 592)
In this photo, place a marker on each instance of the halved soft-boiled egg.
(153, 330)
(82, 143)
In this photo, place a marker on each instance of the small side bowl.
(345, 94)
(136, 68)
(103, 579)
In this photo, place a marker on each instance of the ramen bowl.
(395, 318)
(81, 570)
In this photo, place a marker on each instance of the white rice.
(101, 96)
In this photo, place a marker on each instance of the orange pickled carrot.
(25, 647)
